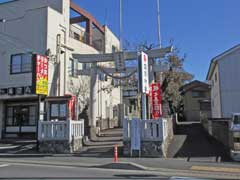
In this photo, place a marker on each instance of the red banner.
(156, 101)
(72, 108)
(41, 80)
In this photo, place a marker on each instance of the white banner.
(143, 73)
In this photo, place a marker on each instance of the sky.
(200, 29)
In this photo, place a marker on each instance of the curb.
(124, 166)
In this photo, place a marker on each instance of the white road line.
(4, 165)
(8, 147)
(24, 148)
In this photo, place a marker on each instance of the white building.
(224, 75)
(46, 27)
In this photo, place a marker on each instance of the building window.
(215, 77)
(76, 36)
(198, 94)
(21, 116)
(21, 63)
(86, 66)
(58, 111)
(73, 68)
(113, 49)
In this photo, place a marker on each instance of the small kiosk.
(59, 130)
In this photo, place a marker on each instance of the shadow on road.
(192, 141)
(103, 146)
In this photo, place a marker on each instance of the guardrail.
(60, 130)
(151, 130)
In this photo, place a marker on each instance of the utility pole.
(121, 48)
(159, 25)
(120, 24)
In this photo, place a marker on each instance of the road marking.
(8, 147)
(24, 148)
(4, 165)
(216, 169)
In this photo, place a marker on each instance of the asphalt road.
(193, 142)
(31, 171)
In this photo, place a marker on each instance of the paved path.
(103, 146)
(194, 143)
(17, 146)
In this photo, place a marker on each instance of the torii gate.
(119, 58)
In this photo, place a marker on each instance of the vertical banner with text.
(143, 72)
(40, 74)
(156, 101)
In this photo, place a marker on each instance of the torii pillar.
(93, 102)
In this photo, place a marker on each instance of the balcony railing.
(82, 36)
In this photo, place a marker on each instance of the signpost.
(135, 135)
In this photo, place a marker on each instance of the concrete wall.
(110, 41)
(215, 94)
(220, 131)
(57, 24)
(229, 83)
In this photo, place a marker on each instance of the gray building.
(46, 27)
(224, 76)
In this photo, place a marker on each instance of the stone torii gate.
(119, 58)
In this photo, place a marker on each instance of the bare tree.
(81, 89)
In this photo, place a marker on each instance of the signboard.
(156, 101)
(16, 91)
(135, 134)
(143, 73)
(40, 75)
(119, 61)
